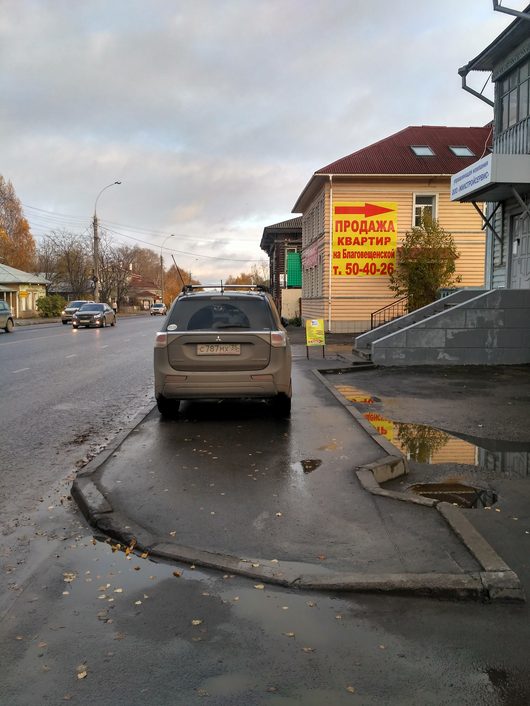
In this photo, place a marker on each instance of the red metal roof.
(394, 155)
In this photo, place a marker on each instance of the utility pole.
(95, 278)
(172, 235)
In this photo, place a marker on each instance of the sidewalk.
(299, 504)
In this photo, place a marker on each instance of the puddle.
(429, 445)
(307, 465)
(456, 493)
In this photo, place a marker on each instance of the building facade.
(283, 244)
(21, 290)
(503, 179)
(356, 211)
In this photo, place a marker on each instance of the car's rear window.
(78, 304)
(91, 307)
(221, 312)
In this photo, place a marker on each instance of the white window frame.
(424, 194)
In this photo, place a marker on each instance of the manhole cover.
(460, 494)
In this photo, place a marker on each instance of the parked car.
(7, 322)
(70, 309)
(94, 315)
(158, 308)
(222, 343)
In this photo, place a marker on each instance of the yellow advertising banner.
(314, 332)
(364, 238)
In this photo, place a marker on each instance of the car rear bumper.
(184, 385)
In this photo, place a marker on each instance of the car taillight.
(278, 339)
(161, 339)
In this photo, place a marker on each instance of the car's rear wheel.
(64, 323)
(167, 407)
(282, 405)
(9, 326)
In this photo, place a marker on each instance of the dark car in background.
(7, 322)
(70, 309)
(222, 342)
(94, 314)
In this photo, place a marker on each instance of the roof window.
(422, 150)
(462, 151)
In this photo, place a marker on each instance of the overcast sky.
(215, 113)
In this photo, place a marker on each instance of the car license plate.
(218, 349)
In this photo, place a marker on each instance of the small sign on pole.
(314, 334)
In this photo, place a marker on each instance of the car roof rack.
(187, 288)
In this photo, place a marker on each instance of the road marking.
(21, 370)
(104, 346)
(72, 355)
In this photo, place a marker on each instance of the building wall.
(351, 301)
(489, 329)
(290, 306)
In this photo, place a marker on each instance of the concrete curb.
(496, 583)
(302, 576)
(499, 581)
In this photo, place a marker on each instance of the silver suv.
(222, 342)
(71, 308)
(6, 317)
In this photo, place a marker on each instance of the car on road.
(158, 308)
(221, 342)
(7, 322)
(70, 309)
(94, 314)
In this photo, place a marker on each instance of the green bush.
(51, 305)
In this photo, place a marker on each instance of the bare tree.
(69, 254)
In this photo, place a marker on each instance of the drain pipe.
(509, 11)
(330, 248)
(463, 73)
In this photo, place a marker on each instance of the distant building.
(355, 212)
(21, 290)
(283, 244)
(141, 293)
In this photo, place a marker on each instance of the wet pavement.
(228, 485)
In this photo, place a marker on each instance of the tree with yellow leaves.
(17, 246)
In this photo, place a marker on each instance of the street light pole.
(162, 265)
(96, 242)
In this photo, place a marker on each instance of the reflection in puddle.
(456, 493)
(306, 465)
(426, 444)
(309, 464)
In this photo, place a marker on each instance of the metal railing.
(387, 313)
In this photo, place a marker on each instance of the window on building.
(462, 151)
(514, 96)
(422, 151)
(424, 207)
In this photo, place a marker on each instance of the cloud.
(215, 114)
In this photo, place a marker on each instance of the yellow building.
(356, 211)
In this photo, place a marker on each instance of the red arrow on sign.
(369, 209)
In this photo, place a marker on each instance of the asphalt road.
(64, 394)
